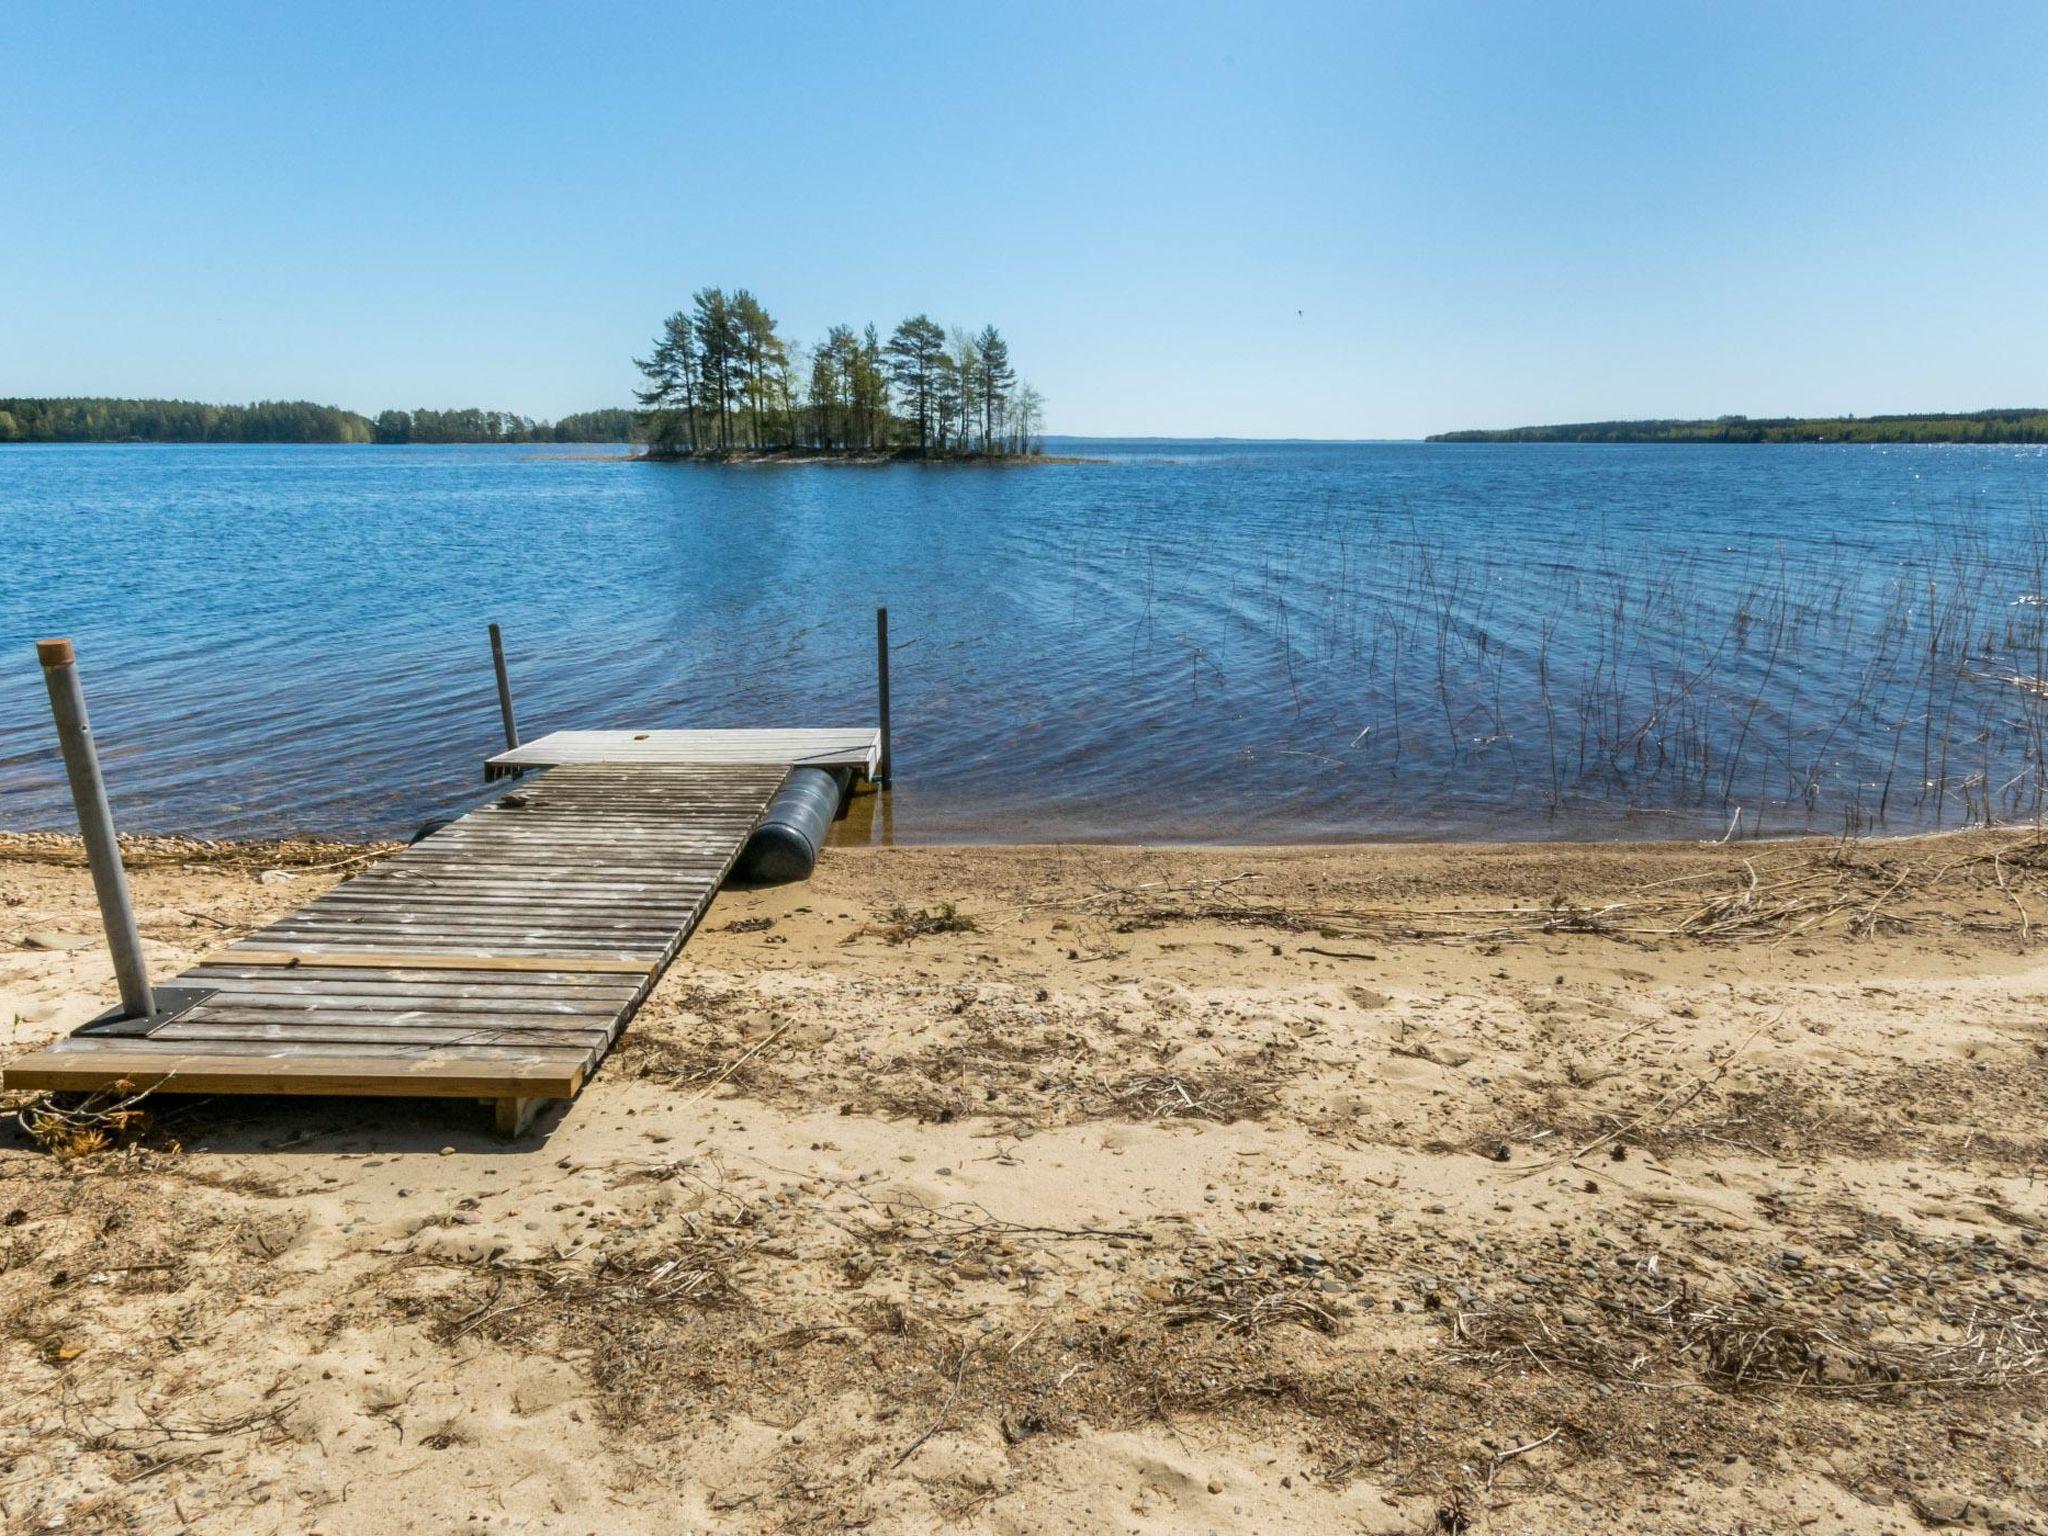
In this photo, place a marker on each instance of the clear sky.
(1334, 220)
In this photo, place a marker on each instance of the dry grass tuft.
(1222, 1096)
(901, 924)
(1741, 1344)
(1241, 1294)
(73, 1126)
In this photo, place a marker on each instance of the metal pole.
(504, 689)
(96, 825)
(883, 764)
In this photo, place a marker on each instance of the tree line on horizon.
(98, 419)
(721, 378)
(2023, 425)
(470, 425)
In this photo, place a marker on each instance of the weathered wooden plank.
(456, 980)
(623, 864)
(600, 875)
(208, 1069)
(665, 918)
(322, 1032)
(611, 874)
(642, 958)
(286, 1050)
(664, 887)
(431, 922)
(510, 891)
(253, 982)
(355, 918)
(487, 942)
(241, 1001)
(853, 746)
(640, 853)
(419, 961)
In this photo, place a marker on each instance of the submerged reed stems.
(1850, 685)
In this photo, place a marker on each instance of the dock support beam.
(882, 762)
(96, 825)
(513, 1118)
(504, 689)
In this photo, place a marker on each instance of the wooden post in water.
(882, 764)
(96, 825)
(504, 689)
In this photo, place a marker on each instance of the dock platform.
(497, 958)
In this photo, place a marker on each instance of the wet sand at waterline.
(1048, 1189)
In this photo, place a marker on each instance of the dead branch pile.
(71, 1125)
(576, 1294)
(901, 925)
(1247, 1294)
(1221, 1096)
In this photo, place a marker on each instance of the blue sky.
(1311, 219)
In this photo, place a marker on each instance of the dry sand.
(1372, 1189)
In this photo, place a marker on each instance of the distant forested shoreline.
(723, 382)
(96, 419)
(2006, 426)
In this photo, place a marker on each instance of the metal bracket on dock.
(170, 1002)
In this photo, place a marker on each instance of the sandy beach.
(1393, 1189)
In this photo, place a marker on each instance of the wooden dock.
(497, 959)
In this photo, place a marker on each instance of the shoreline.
(1239, 1189)
(855, 833)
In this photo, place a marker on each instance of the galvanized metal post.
(882, 765)
(96, 825)
(504, 689)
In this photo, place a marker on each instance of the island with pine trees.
(724, 384)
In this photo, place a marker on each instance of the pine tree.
(761, 355)
(962, 378)
(835, 387)
(718, 344)
(914, 351)
(997, 378)
(671, 371)
(870, 388)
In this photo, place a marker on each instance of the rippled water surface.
(1189, 643)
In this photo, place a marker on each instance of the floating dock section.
(497, 958)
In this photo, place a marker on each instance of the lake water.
(1198, 643)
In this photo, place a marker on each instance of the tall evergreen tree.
(835, 370)
(719, 347)
(914, 352)
(997, 379)
(870, 388)
(961, 374)
(761, 354)
(671, 393)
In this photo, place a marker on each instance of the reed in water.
(1783, 688)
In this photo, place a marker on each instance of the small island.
(2005, 426)
(724, 384)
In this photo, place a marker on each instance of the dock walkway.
(498, 958)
